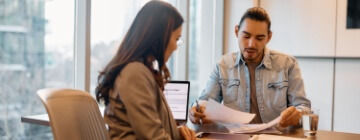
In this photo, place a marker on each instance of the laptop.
(177, 96)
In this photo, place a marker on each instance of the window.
(36, 51)
(110, 20)
(205, 42)
(204, 24)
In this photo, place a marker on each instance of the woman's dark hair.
(258, 14)
(146, 40)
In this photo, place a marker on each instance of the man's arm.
(296, 92)
(212, 90)
(298, 102)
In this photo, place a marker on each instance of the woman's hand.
(186, 133)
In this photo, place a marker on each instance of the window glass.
(205, 42)
(194, 52)
(110, 20)
(36, 51)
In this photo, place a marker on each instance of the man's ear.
(269, 36)
(236, 30)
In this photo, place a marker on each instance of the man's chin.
(249, 58)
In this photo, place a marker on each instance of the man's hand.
(290, 117)
(186, 133)
(198, 116)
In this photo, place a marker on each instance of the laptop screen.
(177, 96)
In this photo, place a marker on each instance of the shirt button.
(261, 109)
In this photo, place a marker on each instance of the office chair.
(73, 114)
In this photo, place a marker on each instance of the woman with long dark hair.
(131, 85)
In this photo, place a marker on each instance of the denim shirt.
(278, 84)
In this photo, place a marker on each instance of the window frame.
(82, 46)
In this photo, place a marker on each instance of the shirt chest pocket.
(277, 94)
(230, 88)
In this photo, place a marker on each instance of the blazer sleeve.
(140, 98)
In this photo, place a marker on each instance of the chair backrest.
(73, 114)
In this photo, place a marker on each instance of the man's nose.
(251, 42)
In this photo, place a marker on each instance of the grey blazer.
(137, 108)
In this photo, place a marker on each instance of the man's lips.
(251, 51)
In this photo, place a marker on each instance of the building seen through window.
(36, 51)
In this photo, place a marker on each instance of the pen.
(198, 110)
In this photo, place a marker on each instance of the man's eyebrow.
(260, 36)
(246, 33)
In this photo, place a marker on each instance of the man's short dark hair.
(258, 14)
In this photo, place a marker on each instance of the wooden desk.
(322, 135)
(43, 119)
(36, 119)
(290, 132)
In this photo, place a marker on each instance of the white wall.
(233, 10)
(302, 27)
(347, 41)
(318, 75)
(347, 96)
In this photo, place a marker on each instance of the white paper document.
(237, 121)
(251, 128)
(220, 113)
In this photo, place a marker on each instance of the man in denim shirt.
(256, 79)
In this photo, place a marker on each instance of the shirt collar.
(267, 59)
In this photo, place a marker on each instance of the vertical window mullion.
(181, 55)
(82, 45)
(218, 24)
